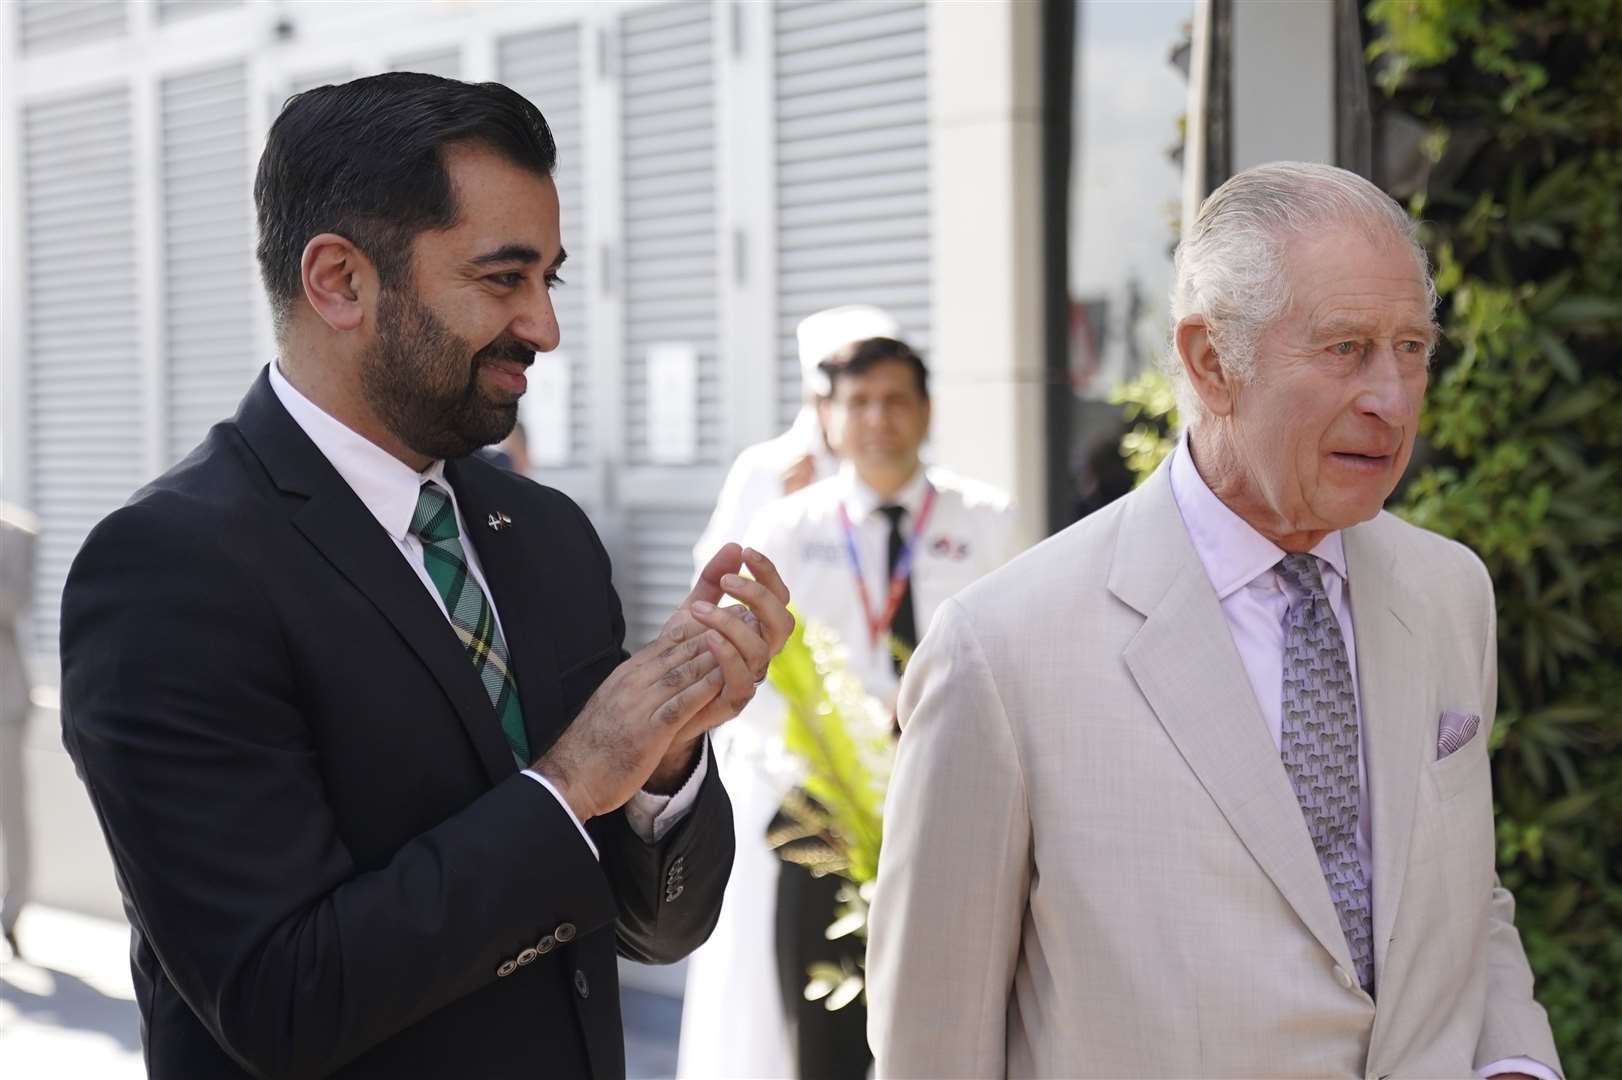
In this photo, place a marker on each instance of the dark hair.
(365, 159)
(860, 357)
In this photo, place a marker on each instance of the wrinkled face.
(1325, 425)
(879, 418)
(447, 365)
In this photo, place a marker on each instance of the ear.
(1212, 382)
(339, 282)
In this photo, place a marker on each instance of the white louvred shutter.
(55, 24)
(443, 62)
(670, 280)
(544, 66)
(82, 351)
(207, 250)
(170, 10)
(661, 556)
(852, 167)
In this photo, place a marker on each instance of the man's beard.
(423, 381)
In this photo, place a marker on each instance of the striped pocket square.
(1455, 730)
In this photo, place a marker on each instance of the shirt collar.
(861, 500)
(1233, 553)
(386, 485)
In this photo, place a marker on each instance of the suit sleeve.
(181, 710)
(669, 892)
(955, 871)
(1514, 1024)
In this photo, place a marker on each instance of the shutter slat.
(544, 66)
(208, 250)
(852, 180)
(661, 557)
(84, 375)
(53, 24)
(668, 169)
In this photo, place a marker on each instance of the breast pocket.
(1464, 769)
(1463, 783)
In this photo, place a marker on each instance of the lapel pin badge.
(498, 521)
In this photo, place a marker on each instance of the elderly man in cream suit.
(1199, 787)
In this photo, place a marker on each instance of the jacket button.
(673, 892)
(506, 969)
(1343, 977)
(581, 986)
(546, 944)
(527, 957)
(564, 933)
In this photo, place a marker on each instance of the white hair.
(1230, 266)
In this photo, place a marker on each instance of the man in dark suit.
(384, 791)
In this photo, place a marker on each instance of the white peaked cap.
(825, 333)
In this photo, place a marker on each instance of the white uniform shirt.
(970, 532)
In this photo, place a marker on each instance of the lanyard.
(879, 624)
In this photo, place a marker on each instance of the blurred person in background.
(1200, 786)
(767, 471)
(18, 533)
(385, 793)
(877, 548)
(511, 453)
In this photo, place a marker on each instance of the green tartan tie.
(475, 624)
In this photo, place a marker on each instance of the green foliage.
(835, 821)
(1150, 402)
(1523, 104)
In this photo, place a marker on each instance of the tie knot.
(1300, 572)
(894, 513)
(434, 520)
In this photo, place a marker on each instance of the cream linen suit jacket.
(1094, 864)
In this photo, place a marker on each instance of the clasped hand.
(642, 726)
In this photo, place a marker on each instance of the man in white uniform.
(915, 537)
(780, 466)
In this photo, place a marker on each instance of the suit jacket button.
(581, 986)
(564, 933)
(546, 944)
(506, 969)
(527, 957)
(1343, 977)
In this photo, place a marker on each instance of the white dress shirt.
(389, 488)
(1241, 565)
(970, 532)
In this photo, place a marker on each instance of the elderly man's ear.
(1212, 382)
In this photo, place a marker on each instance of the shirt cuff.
(653, 816)
(547, 784)
(1520, 1065)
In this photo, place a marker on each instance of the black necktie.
(903, 628)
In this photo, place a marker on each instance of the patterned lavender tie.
(1320, 747)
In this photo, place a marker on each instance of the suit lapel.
(1392, 711)
(1185, 662)
(523, 586)
(338, 524)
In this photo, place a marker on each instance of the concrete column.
(1283, 81)
(986, 356)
